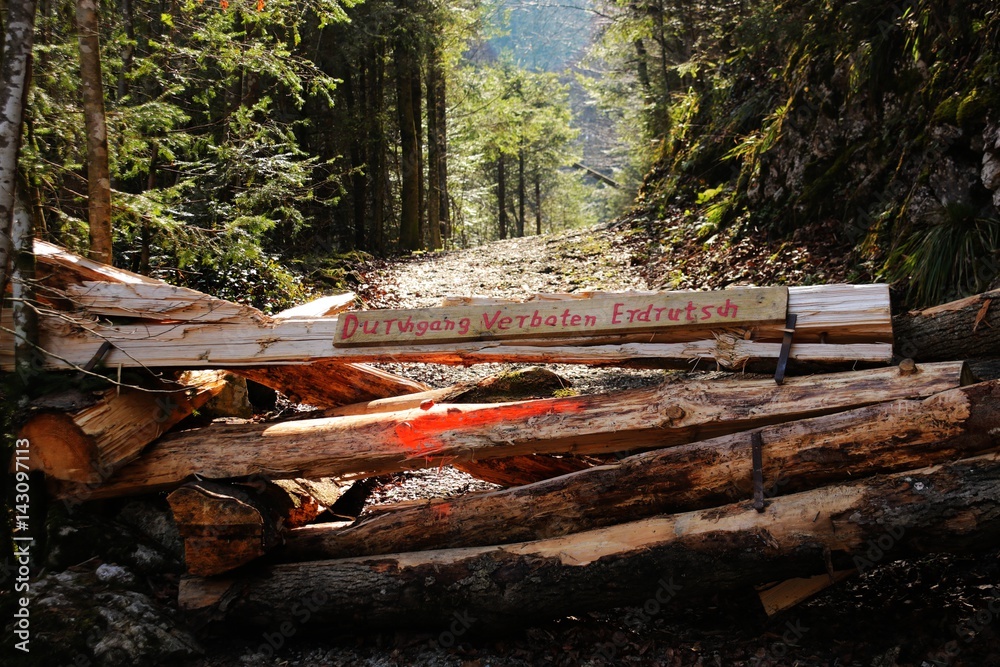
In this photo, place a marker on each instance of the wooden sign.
(586, 317)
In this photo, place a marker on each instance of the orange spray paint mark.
(421, 434)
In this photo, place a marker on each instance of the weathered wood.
(157, 301)
(325, 306)
(59, 268)
(824, 314)
(964, 329)
(796, 456)
(327, 384)
(588, 317)
(89, 444)
(953, 507)
(225, 526)
(671, 414)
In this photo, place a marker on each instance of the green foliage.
(944, 259)
(815, 110)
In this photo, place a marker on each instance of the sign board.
(584, 317)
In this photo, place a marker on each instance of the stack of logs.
(698, 483)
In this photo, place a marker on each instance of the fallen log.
(327, 384)
(366, 445)
(521, 384)
(964, 329)
(325, 306)
(90, 444)
(953, 507)
(225, 526)
(797, 456)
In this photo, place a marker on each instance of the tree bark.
(331, 384)
(502, 195)
(797, 456)
(520, 192)
(28, 361)
(98, 172)
(538, 204)
(409, 218)
(433, 153)
(953, 507)
(964, 329)
(368, 445)
(90, 444)
(440, 102)
(15, 77)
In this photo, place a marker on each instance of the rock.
(991, 161)
(93, 618)
(154, 520)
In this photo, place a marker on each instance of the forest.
(242, 147)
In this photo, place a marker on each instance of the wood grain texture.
(622, 314)
(797, 456)
(672, 414)
(949, 508)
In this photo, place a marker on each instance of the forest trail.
(593, 258)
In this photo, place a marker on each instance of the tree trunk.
(27, 358)
(954, 507)
(377, 151)
(964, 329)
(98, 173)
(797, 456)
(15, 77)
(409, 219)
(502, 195)
(417, 96)
(436, 435)
(538, 204)
(440, 102)
(128, 51)
(359, 178)
(433, 153)
(520, 192)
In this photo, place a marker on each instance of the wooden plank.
(158, 301)
(192, 345)
(59, 267)
(326, 306)
(837, 313)
(779, 597)
(368, 445)
(605, 315)
(328, 384)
